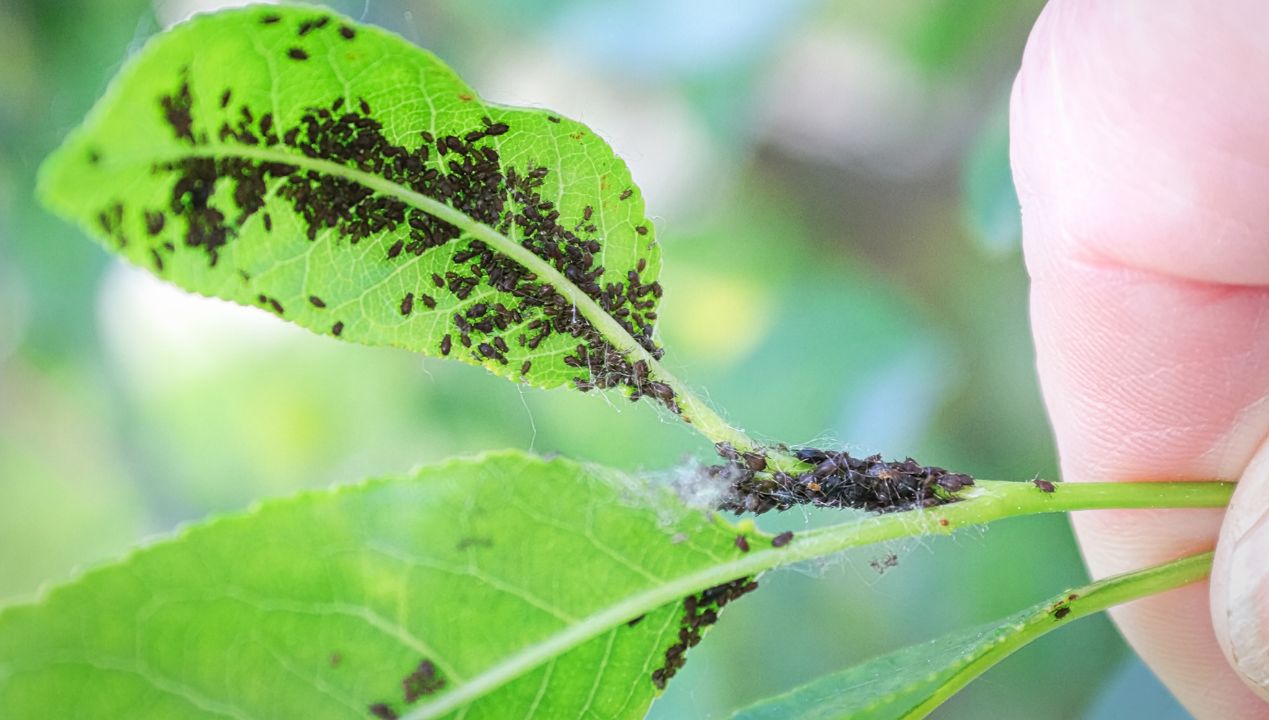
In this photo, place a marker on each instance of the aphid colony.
(460, 170)
(833, 479)
(699, 612)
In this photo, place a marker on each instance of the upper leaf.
(491, 588)
(347, 181)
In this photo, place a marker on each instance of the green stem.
(981, 504)
(985, 502)
(1087, 600)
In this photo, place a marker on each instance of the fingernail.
(1248, 603)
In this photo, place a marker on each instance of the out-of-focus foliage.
(807, 165)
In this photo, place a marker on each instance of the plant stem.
(1089, 599)
(988, 501)
(981, 504)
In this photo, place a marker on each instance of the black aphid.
(337, 329)
(153, 222)
(446, 344)
(497, 129)
(297, 54)
(224, 98)
(270, 19)
(524, 369)
(424, 680)
(742, 543)
(625, 194)
(427, 300)
(782, 539)
(1044, 485)
(407, 303)
(347, 33)
(316, 301)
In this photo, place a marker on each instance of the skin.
(1140, 134)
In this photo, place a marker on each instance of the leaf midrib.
(612, 331)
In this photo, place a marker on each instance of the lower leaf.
(912, 682)
(506, 585)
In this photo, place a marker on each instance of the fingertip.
(1139, 136)
(1240, 578)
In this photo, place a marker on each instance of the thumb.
(1240, 577)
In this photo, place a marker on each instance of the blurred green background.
(831, 185)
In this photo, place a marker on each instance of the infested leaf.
(913, 681)
(495, 587)
(332, 174)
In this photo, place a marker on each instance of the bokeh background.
(831, 186)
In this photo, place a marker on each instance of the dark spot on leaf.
(336, 659)
(153, 222)
(699, 612)
(382, 711)
(176, 109)
(473, 542)
(424, 680)
(224, 98)
(93, 157)
(635, 621)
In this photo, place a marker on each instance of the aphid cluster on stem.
(833, 479)
(699, 612)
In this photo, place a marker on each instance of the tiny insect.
(1044, 485)
(782, 539)
(742, 543)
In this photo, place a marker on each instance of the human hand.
(1140, 136)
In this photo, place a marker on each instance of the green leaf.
(331, 173)
(501, 586)
(912, 682)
